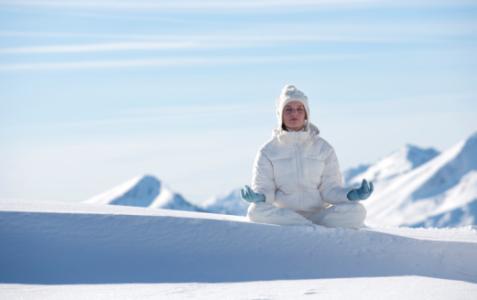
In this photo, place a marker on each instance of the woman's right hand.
(250, 196)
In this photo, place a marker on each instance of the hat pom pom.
(289, 89)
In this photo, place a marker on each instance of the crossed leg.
(345, 215)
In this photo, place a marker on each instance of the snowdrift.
(78, 244)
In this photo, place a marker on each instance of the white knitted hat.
(291, 93)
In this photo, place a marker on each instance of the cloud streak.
(100, 47)
(302, 33)
(225, 5)
(220, 42)
(167, 62)
(188, 5)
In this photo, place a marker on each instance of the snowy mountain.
(421, 187)
(353, 173)
(229, 204)
(398, 163)
(462, 207)
(148, 191)
(414, 186)
(78, 251)
(144, 191)
(458, 161)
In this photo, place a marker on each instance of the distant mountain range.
(144, 191)
(148, 191)
(423, 188)
(414, 187)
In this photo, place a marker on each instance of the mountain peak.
(417, 155)
(144, 191)
(473, 136)
(471, 143)
(229, 204)
(401, 161)
(141, 193)
(455, 163)
(128, 192)
(148, 177)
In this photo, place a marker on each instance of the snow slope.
(362, 288)
(94, 247)
(419, 187)
(229, 204)
(144, 191)
(400, 162)
(148, 191)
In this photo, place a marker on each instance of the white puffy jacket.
(299, 171)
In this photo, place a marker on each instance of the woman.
(296, 176)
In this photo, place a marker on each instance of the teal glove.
(251, 196)
(361, 193)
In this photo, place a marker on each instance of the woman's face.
(294, 115)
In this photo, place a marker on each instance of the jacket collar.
(290, 137)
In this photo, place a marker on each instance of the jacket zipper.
(299, 177)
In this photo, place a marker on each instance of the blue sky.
(94, 93)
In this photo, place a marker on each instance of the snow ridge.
(144, 191)
(59, 245)
(462, 159)
(398, 163)
(229, 204)
(429, 189)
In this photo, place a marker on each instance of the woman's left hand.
(361, 193)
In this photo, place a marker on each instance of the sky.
(95, 93)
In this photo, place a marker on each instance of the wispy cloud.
(99, 47)
(186, 5)
(168, 62)
(269, 34)
(214, 5)
(191, 43)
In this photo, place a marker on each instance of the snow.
(230, 204)
(352, 175)
(140, 191)
(424, 188)
(148, 191)
(389, 288)
(144, 191)
(77, 251)
(405, 159)
(418, 187)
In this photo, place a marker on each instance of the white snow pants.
(346, 215)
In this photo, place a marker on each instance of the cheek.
(301, 118)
